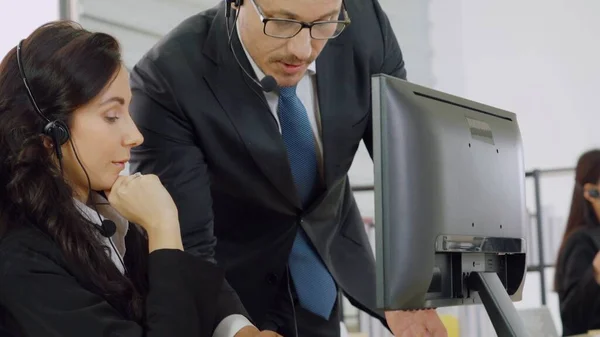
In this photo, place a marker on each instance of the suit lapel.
(334, 100)
(244, 103)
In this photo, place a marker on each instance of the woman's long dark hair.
(66, 68)
(582, 213)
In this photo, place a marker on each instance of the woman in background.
(71, 263)
(577, 279)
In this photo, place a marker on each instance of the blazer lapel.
(334, 99)
(244, 103)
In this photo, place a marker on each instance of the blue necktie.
(314, 285)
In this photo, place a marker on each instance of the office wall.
(138, 25)
(17, 20)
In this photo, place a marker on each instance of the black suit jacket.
(578, 291)
(211, 138)
(41, 295)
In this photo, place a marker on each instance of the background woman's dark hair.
(66, 67)
(582, 213)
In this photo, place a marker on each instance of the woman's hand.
(142, 199)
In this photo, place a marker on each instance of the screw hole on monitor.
(469, 144)
(472, 224)
(497, 151)
(500, 226)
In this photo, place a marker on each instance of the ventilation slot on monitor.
(460, 105)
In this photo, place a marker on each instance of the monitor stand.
(498, 304)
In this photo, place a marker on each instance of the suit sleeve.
(47, 301)
(580, 301)
(171, 152)
(392, 62)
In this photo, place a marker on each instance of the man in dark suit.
(259, 173)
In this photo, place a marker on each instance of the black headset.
(56, 130)
(237, 4)
(267, 83)
(592, 192)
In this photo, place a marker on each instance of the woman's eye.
(111, 119)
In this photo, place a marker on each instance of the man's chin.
(284, 80)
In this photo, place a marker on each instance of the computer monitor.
(450, 208)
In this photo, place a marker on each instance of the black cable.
(230, 29)
(94, 204)
(289, 282)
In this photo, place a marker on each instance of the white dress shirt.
(107, 212)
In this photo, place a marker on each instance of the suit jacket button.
(272, 278)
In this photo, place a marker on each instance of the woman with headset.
(73, 261)
(577, 277)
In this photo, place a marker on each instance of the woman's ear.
(591, 193)
(48, 143)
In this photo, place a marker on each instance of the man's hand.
(252, 331)
(419, 323)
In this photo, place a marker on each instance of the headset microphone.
(109, 228)
(268, 83)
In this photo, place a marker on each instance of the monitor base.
(497, 303)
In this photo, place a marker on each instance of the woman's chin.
(110, 182)
(106, 184)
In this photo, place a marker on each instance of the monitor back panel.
(449, 177)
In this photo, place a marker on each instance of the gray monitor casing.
(449, 196)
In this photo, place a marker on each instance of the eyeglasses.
(288, 28)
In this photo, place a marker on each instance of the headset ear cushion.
(57, 130)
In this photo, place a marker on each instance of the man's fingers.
(434, 324)
(418, 323)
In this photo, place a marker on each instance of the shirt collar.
(106, 212)
(311, 69)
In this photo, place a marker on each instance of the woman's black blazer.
(578, 291)
(40, 296)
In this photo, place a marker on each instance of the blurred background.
(537, 58)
